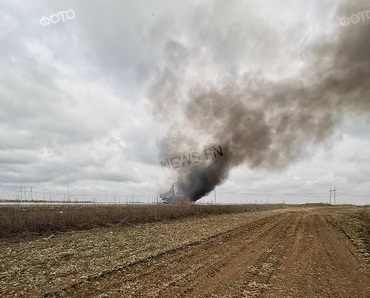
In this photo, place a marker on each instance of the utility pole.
(330, 191)
(335, 196)
(215, 196)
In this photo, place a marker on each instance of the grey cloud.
(261, 122)
(72, 94)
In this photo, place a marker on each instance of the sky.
(81, 110)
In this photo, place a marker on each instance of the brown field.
(290, 252)
(19, 222)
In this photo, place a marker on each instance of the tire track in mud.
(321, 263)
(256, 280)
(253, 269)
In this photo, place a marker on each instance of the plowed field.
(295, 252)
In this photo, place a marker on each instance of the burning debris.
(260, 122)
(170, 197)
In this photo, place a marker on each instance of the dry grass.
(365, 219)
(22, 221)
(354, 222)
(41, 265)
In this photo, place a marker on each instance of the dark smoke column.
(257, 121)
(197, 180)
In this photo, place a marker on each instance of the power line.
(272, 193)
(334, 192)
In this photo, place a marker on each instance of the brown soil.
(300, 252)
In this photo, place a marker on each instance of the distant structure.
(334, 191)
(170, 197)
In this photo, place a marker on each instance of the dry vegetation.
(27, 221)
(44, 265)
(354, 222)
(290, 252)
(365, 219)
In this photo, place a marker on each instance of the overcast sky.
(75, 104)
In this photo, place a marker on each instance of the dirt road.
(288, 253)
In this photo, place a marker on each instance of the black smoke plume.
(259, 121)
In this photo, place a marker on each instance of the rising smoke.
(259, 121)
